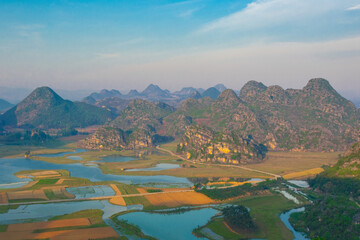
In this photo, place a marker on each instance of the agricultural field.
(176, 199)
(86, 224)
(265, 211)
(284, 163)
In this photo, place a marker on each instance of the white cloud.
(279, 13)
(356, 7)
(188, 13)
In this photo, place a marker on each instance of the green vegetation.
(330, 217)
(95, 215)
(348, 165)
(335, 212)
(153, 190)
(238, 217)
(51, 195)
(264, 211)
(3, 228)
(130, 229)
(247, 188)
(5, 209)
(138, 200)
(126, 189)
(51, 111)
(217, 226)
(47, 181)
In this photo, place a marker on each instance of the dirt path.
(229, 228)
(220, 165)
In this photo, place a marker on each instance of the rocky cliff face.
(109, 138)
(201, 143)
(142, 114)
(315, 118)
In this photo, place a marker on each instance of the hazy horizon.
(77, 45)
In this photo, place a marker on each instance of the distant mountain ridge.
(4, 105)
(155, 94)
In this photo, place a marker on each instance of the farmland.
(79, 225)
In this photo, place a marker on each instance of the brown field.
(175, 199)
(302, 174)
(46, 225)
(45, 173)
(3, 198)
(60, 181)
(41, 174)
(78, 234)
(118, 200)
(141, 190)
(28, 194)
(284, 163)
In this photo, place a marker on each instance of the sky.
(129, 44)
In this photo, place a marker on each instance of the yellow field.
(28, 194)
(118, 199)
(302, 174)
(141, 190)
(175, 199)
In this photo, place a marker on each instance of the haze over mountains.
(154, 93)
(315, 118)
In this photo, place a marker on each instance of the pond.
(117, 158)
(10, 166)
(43, 212)
(285, 219)
(299, 183)
(62, 154)
(170, 226)
(91, 191)
(158, 167)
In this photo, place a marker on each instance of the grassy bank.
(265, 211)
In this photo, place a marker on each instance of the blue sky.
(129, 44)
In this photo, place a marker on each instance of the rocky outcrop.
(315, 118)
(203, 144)
(109, 138)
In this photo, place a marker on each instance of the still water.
(170, 226)
(10, 166)
(43, 212)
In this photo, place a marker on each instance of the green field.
(265, 211)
